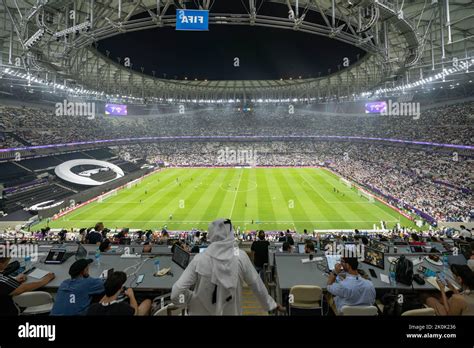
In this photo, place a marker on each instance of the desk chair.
(423, 312)
(359, 311)
(34, 302)
(162, 306)
(307, 297)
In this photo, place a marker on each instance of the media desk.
(290, 271)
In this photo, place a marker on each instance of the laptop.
(81, 252)
(332, 260)
(58, 256)
(181, 257)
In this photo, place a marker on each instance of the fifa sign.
(192, 20)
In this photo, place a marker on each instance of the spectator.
(105, 246)
(309, 247)
(347, 287)
(74, 295)
(110, 303)
(259, 251)
(10, 287)
(146, 248)
(216, 277)
(95, 236)
(465, 232)
(287, 248)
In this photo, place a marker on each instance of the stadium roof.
(404, 41)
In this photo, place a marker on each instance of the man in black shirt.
(95, 236)
(110, 303)
(10, 287)
(259, 250)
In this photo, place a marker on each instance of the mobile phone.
(442, 278)
(140, 278)
(372, 273)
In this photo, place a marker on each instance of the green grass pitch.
(273, 198)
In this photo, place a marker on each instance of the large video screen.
(375, 107)
(116, 109)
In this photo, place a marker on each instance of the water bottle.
(392, 277)
(157, 266)
(97, 257)
(27, 263)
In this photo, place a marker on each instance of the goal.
(345, 182)
(103, 197)
(364, 194)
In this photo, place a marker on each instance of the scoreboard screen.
(375, 107)
(116, 109)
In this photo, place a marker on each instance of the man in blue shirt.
(74, 295)
(347, 287)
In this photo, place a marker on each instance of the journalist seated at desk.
(75, 294)
(347, 287)
(461, 301)
(112, 305)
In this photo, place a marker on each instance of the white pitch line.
(241, 221)
(236, 193)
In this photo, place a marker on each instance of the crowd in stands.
(448, 124)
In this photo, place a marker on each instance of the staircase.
(250, 304)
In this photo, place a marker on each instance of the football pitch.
(253, 198)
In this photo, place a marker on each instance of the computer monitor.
(81, 252)
(56, 256)
(375, 244)
(374, 257)
(301, 248)
(332, 260)
(416, 249)
(181, 257)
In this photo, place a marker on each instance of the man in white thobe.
(217, 275)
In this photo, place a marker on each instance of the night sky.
(264, 53)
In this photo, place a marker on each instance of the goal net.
(366, 195)
(345, 182)
(107, 195)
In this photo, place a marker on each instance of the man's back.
(94, 237)
(260, 249)
(73, 296)
(353, 291)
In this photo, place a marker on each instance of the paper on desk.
(38, 273)
(384, 278)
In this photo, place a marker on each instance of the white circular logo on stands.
(64, 172)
